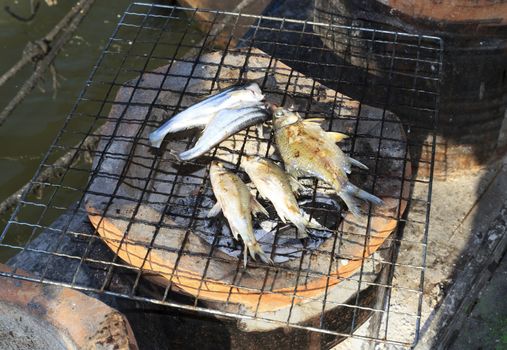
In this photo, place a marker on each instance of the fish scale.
(223, 125)
(200, 114)
(237, 204)
(306, 149)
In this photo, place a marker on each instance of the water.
(27, 134)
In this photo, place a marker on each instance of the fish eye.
(278, 113)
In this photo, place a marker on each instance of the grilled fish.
(307, 149)
(279, 187)
(199, 114)
(225, 124)
(237, 204)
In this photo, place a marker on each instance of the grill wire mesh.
(397, 72)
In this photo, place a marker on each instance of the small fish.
(279, 187)
(225, 124)
(237, 204)
(199, 114)
(306, 149)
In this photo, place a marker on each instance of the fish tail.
(351, 202)
(156, 137)
(300, 224)
(170, 126)
(296, 219)
(254, 248)
(359, 193)
(193, 152)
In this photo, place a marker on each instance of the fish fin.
(298, 219)
(235, 234)
(234, 91)
(268, 225)
(351, 202)
(214, 211)
(314, 120)
(357, 163)
(253, 192)
(156, 138)
(312, 223)
(295, 185)
(316, 226)
(336, 136)
(257, 207)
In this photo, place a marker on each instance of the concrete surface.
(474, 245)
(485, 326)
(467, 228)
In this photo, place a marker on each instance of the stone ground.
(486, 325)
(464, 302)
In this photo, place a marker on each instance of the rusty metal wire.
(392, 71)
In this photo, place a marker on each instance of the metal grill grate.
(394, 72)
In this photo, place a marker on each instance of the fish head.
(248, 94)
(283, 117)
(255, 91)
